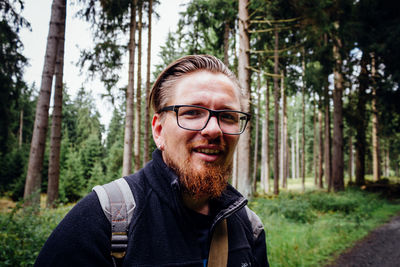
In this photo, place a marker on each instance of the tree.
(138, 110)
(276, 115)
(265, 144)
(244, 185)
(360, 143)
(33, 178)
(337, 160)
(376, 167)
(147, 111)
(16, 101)
(55, 137)
(128, 136)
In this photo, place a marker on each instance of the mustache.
(218, 143)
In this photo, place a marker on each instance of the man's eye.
(229, 117)
(192, 113)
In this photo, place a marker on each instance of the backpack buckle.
(119, 244)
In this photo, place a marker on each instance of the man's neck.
(199, 205)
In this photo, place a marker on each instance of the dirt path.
(380, 248)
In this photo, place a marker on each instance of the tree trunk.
(244, 177)
(265, 158)
(298, 156)
(293, 159)
(303, 128)
(321, 148)
(375, 126)
(128, 134)
(36, 155)
(138, 113)
(337, 160)
(327, 141)
(255, 162)
(284, 134)
(276, 115)
(147, 112)
(315, 143)
(350, 168)
(235, 169)
(55, 138)
(21, 127)
(387, 162)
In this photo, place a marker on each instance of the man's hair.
(161, 90)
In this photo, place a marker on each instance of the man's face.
(204, 157)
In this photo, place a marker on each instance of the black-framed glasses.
(196, 118)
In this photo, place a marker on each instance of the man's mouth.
(208, 151)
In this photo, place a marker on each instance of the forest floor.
(380, 248)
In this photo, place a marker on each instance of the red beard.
(208, 182)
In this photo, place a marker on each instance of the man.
(182, 195)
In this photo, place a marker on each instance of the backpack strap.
(256, 225)
(218, 256)
(118, 204)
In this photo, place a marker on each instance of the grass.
(302, 229)
(310, 229)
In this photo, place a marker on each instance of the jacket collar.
(165, 183)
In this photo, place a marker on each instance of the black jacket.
(162, 231)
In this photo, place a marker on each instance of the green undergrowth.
(310, 229)
(307, 229)
(23, 232)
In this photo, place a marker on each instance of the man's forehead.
(201, 77)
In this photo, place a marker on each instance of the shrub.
(23, 233)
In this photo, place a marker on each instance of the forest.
(321, 78)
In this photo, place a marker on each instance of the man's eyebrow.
(223, 107)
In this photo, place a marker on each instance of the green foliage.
(71, 178)
(15, 99)
(23, 233)
(289, 207)
(310, 229)
(336, 222)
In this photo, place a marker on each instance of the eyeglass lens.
(195, 118)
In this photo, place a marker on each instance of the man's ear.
(156, 127)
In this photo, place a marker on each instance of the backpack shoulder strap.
(118, 204)
(256, 224)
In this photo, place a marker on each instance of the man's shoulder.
(255, 222)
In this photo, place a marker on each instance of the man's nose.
(212, 129)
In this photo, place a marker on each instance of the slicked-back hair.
(162, 89)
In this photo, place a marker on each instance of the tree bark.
(298, 156)
(387, 162)
(337, 160)
(315, 143)
(350, 168)
(255, 162)
(321, 148)
(36, 155)
(55, 137)
(303, 123)
(147, 112)
(375, 126)
(244, 177)
(276, 115)
(327, 141)
(293, 159)
(128, 134)
(284, 134)
(265, 158)
(138, 112)
(235, 169)
(21, 127)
